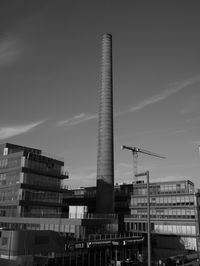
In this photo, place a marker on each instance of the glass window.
(56, 228)
(169, 200)
(41, 180)
(182, 200)
(67, 228)
(51, 227)
(42, 226)
(161, 200)
(72, 228)
(178, 200)
(46, 226)
(165, 201)
(4, 241)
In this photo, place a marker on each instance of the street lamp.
(148, 217)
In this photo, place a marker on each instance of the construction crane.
(135, 151)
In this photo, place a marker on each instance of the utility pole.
(148, 217)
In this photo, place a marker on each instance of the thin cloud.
(77, 119)
(190, 105)
(193, 119)
(164, 95)
(189, 109)
(8, 132)
(9, 52)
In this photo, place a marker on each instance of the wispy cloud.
(77, 119)
(189, 109)
(9, 52)
(165, 94)
(11, 131)
(194, 119)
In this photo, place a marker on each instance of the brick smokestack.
(105, 159)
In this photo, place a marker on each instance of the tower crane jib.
(135, 151)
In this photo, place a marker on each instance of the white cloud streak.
(165, 94)
(83, 117)
(11, 131)
(77, 119)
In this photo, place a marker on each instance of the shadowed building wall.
(105, 159)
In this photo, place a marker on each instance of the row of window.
(163, 216)
(133, 227)
(38, 180)
(67, 228)
(8, 211)
(175, 229)
(31, 195)
(167, 200)
(9, 178)
(10, 162)
(9, 195)
(166, 212)
(44, 196)
(41, 211)
(162, 228)
(49, 166)
(164, 189)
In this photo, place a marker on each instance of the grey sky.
(50, 76)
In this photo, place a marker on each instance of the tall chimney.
(105, 158)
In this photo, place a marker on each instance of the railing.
(64, 172)
(101, 216)
(92, 216)
(161, 217)
(92, 237)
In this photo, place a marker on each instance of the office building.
(31, 196)
(173, 213)
(30, 182)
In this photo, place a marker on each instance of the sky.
(50, 56)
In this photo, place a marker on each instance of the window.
(165, 201)
(4, 241)
(161, 200)
(51, 227)
(72, 228)
(131, 226)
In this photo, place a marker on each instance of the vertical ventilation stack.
(105, 159)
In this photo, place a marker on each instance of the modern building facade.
(30, 183)
(173, 212)
(31, 196)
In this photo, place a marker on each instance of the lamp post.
(148, 217)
